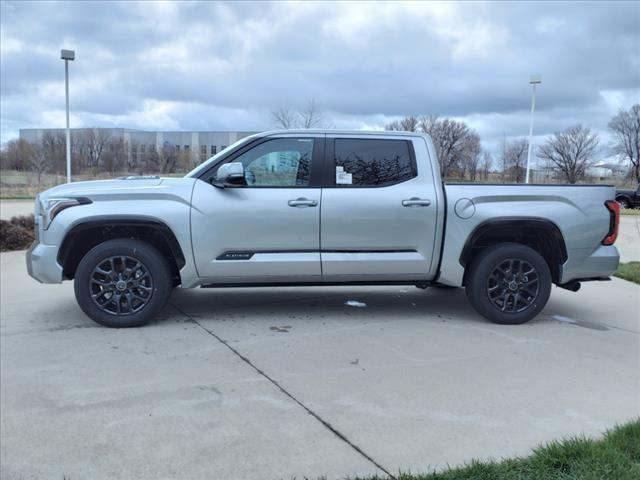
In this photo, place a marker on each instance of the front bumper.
(42, 263)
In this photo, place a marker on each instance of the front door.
(379, 210)
(268, 230)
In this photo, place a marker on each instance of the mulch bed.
(17, 233)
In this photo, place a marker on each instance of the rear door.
(269, 229)
(379, 209)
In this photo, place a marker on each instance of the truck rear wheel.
(122, 283)
(509, 283)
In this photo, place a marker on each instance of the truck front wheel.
(508, 283)
(122, 283)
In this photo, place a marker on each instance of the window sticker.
(342, 177)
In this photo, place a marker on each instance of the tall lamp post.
(534, 80)
(67, 55)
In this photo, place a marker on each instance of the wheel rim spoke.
(120, 285)
(513, 285)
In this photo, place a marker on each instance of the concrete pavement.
(628, 241)
(275, 383)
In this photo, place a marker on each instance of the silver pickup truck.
(320, 208)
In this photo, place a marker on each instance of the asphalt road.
(277, 383)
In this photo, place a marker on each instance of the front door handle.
(302, 202)
(416, 202)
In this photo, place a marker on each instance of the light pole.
(534, 80)
(67, 55)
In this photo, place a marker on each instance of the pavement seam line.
(324, 422)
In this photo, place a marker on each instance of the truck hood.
(129, 187)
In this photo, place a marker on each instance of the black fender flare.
(516, 226)
(107, 224)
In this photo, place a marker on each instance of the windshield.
(218, 155)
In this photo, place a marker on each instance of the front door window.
(281, 162)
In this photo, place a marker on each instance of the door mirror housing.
(229, 175)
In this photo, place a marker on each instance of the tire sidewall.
(149, 256)
(484, 265)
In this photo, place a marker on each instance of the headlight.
(53, 206)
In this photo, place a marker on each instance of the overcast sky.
(226, 66)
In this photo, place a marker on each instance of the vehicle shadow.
(322, 303)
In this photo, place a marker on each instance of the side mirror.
(229, 175)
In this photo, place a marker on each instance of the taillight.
(614, 222)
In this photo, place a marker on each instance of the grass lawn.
(616, 456)
(629, 271)
(632, 212)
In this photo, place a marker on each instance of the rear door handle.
(416, 202)
(303, 202)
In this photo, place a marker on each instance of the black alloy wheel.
(513, 285)
(508, 283)
(123, 282)
(121, 285)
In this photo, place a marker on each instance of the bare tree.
(485, 165)
(471, 161)
(285, 118)
(53, 148)
(114, 155)
(41, 161)
(309, 116)
(625, 127)
(167, 158)
(17, 155)
(150, 161)
(515, 158)
(455, 142)
(410, 123)
(185, 161)
(95, 140)
(571, 151)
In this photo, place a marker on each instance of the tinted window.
(372, 162)
(281, 162)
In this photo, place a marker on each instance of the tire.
(122, 283)
(498, 296)
(624, 203)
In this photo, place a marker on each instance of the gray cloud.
(227, 65)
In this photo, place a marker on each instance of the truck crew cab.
(315, 207)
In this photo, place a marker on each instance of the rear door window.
(361, 162)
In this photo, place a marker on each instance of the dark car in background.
(628, 198)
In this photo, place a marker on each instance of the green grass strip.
(629, 271)
(615, 456)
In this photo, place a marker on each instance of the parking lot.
(277, 383)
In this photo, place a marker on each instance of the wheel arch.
(83, 236)
(541, 234)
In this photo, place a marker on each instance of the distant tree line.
(566, 154)
(93, 151)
